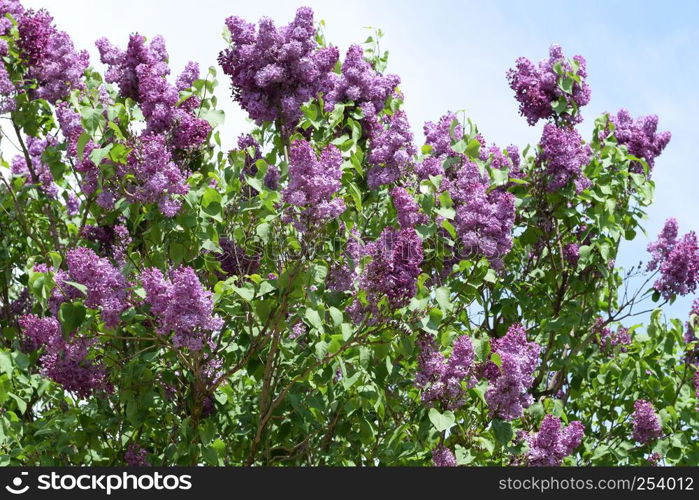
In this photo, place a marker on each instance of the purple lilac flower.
(407, 209)
(106, 287)
(690, 335)
(13, 8)
(646, 425)
(180, 305)
(271, 180)
(43, 175)
(553, 443)
(158, 176)
(390, 149)
(63, 361)
(484, 220)
(677, 260)
(443, 457)
(22, 304)
(274, 71)
(136, 456)
(508, 395)
(298, 330)
(640, 136)
(537, 88)
(52, 59)
(571, 254)
(113, 240)
(360, 83)
(440, 379)
(394, 268)
(141, 73)
(440, 135)
(654, 459)
(562, 156)
(313, 180)
(72, 204)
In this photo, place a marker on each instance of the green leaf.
(97, 155)
(314, 319)
(210, 196)
(71, 316)
(215, 117)
(442, 421)
(6, 363)
(503, 431)
(21, 403)
(82, 142)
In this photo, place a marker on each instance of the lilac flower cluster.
(443, 457)
(141, 73)
(640, 136)
(563, 155)
(136, 456)
(390, 149)
(677, 259)
(180, 305)
(484, 220)
(35, 150)
(71, 128)
(571, 254)
(507, 394)
(407, 209)
(538, 87)
(63, 361)
(690, 335)
(360, 83)
(12, 7)
(549, 446)
(7, 88)
(158, 176)
(508, 160)
(440, 379)
(106, 286)
(608, 339)
(51, 57)
(312, 183)
(439, 136)
(396, 257)
(646, 425)
(274, 71)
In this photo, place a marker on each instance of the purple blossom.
(571, 254)
(274, 71)
(553, 443)
(407, 209)
(188, 76)
(272, 175)
(562, 156)
(676, 259)
(360, 83)
(113, 241)
(13, 8)
(158, 176)
(72, 204)
(440, 135)
(52, 59)
(106, 287)
(646, 425)
(390, 149)
(538, 88)
(394, 268)
(63, 361)
(508, 395)
(443, 457)
(298, 330)
(180, 305)
(440, 379)
(640, 136)
(136, 456)
(41, 173)
(484, 220)
(313, 180)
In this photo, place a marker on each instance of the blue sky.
(454, 55)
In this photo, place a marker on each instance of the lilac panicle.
(537, 87)
(562, 157)
(646, 425)
(508, 395)
(640, 136)
(136, 456)
(407, 209)
(274, 70)
(313, 180)
(181, 306)
(677, 259)
(391, 149)
(443, 457)
(553, 443)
